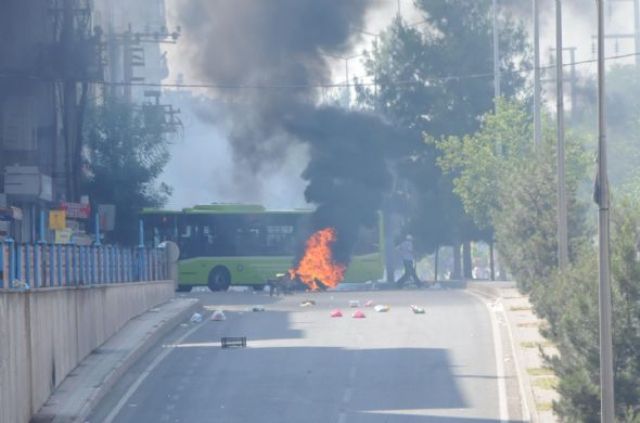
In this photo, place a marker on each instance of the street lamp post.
(537, 119)
(563, 241)
(496, 53)
(607, 413)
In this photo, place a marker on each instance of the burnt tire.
(219, 279)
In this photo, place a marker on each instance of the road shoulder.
(522, 326)
(87, 384)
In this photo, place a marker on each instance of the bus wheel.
(184, 288)
(219, 279)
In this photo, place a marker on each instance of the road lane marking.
(342, 417)
(134, 387)
(502, 386)
(526, 414)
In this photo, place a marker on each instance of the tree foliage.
(415, 69)
(574, 327)
(125, 153)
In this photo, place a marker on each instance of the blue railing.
(33, 266)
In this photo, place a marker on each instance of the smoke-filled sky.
(219, 38)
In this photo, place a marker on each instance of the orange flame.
(317, 263)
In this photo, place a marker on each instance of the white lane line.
(342, 418)
(502, 386)
(497, 350)
(134, 387)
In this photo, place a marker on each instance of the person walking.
(406, 253)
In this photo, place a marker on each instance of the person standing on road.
(406, 253)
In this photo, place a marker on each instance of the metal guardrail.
(41, 265)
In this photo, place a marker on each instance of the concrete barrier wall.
(44, 334)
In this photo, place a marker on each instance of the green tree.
(417, 87)
(126, 151)
(574, 328)
(506, 184)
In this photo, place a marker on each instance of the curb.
(493, 293)
(98, 393)
(116, 374)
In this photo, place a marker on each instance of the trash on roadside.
(354, 303)
(358, 314)
(369, 303)
(416, 309)
(258, 308)
(196, 318)
(218, 316)
(381, 308)
(307, 303)
(233, 341)
(336, 313)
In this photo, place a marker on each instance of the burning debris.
(316, 268)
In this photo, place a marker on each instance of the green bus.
(237, 244)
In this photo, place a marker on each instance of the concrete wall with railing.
(45, 331)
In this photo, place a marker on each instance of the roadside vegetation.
(478, 176)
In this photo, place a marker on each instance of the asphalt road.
(301, 365)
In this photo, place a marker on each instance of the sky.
(201, 169)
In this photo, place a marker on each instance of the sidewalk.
(86, 385)
(538, 382)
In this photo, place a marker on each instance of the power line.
(446, 78)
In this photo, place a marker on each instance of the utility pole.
(496, 53)
(607, 414)
(636, 27)
(537, 119)
(636, 30)
(69, 107)
(563, 248)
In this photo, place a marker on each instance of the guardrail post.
(52, 275)
(18, 271)
(83, 265)
(11, 260)
(93, 263)
(67, 270)
(3, 260)
(27, 265)
(36, 265)
(130, 264)
(59, 263)
(110, 263)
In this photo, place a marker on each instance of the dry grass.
(549, 383)
(539, 371)
(544, 406)
(529, 325)
(520, 308)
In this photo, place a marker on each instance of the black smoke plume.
(268, 55)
